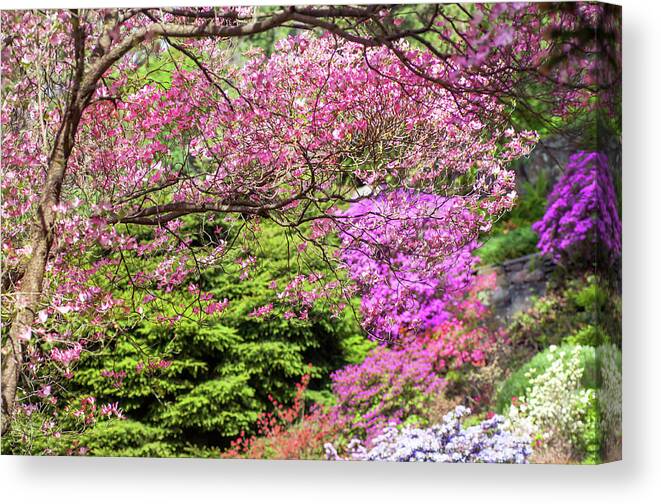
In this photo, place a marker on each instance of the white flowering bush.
(556, 406)
(446, 442)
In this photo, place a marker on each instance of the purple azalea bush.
(486, 442)
(408, 278)
(581, 222)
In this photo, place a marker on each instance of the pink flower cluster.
(116, 377)
(68, 355)
(396, 384)
(152, 365)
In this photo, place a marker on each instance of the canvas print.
(320, 232)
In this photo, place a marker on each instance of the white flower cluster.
(446, 442)
(556, 405)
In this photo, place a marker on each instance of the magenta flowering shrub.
(398, 384)
(581, 223)
(408, 276)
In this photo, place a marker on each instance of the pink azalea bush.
(399, 384)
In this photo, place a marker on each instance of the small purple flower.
(445, 442)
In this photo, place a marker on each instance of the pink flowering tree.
(102, 161)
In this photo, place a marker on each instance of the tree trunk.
(31, 285)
